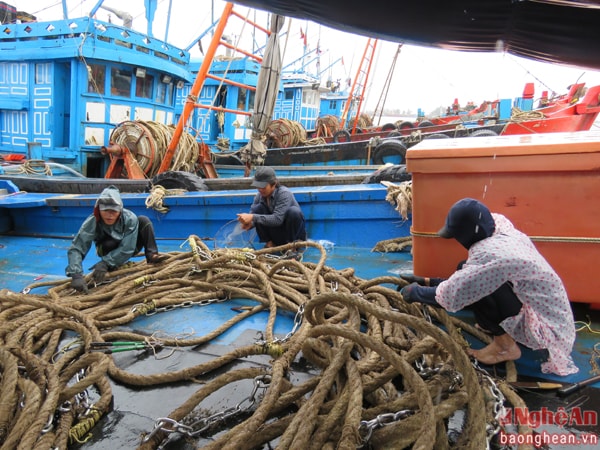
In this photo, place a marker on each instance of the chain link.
(366, 427)
(186, 304)
(498, 410)
(423, 369)
(297, 323)
(193, 430)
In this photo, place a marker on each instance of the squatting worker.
(514, 293)
(118, 235)
(275, 213)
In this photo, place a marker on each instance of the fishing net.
(232, 235)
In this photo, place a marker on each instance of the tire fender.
(341, 136)
(389, 148)
(180, 180)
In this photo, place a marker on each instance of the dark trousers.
(494, 308)
(292, 229)
(145, 240)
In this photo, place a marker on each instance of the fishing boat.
(67, 83)
(189, 353)
(575, 110)
(230, 345)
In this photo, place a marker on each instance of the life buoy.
(389, 149)
(341, 136)
(425, 123)
(388, 127)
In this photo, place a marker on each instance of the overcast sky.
(423, 77)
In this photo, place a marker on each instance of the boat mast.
(189, 105)
(92, 12)
(386, 88)
(357, 91)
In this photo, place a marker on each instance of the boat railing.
(87, 35)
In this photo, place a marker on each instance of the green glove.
(78, 283)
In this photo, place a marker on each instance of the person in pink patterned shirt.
(513, 292)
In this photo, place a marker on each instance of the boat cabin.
(333, 101)
(223, 120)
(300, 100)
(66, 84)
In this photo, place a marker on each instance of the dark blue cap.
(468, 221)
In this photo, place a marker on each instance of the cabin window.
(43, 73)
(310, 97)
(251, 96)
(221, 98)
(96, 76)
(242, 96)
(120, 82)
(143, 86)
(289, 95)
(164, 92)
(161, 92)
(169, 98)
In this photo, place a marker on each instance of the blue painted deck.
(26, 260)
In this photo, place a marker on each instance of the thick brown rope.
(362, 342)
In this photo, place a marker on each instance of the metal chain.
(423, 368)
(498, 410)
(193, 430)
(297, 323)
(366, 427)
(186, 304)
(81, 398)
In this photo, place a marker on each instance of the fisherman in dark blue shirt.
(275, 213)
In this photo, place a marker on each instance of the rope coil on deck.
(373, 358)
(286, 133)
(149, 140)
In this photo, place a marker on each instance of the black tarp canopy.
(560, 31)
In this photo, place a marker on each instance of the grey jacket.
(95, 230)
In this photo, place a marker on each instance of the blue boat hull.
(348, 215)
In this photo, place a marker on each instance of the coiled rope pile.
(378, 360)
(363, 121)
(327, 125)
(286, 133)
(517, 115)
(35, 167)
(149, 140)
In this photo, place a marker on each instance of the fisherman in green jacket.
(118, 235)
